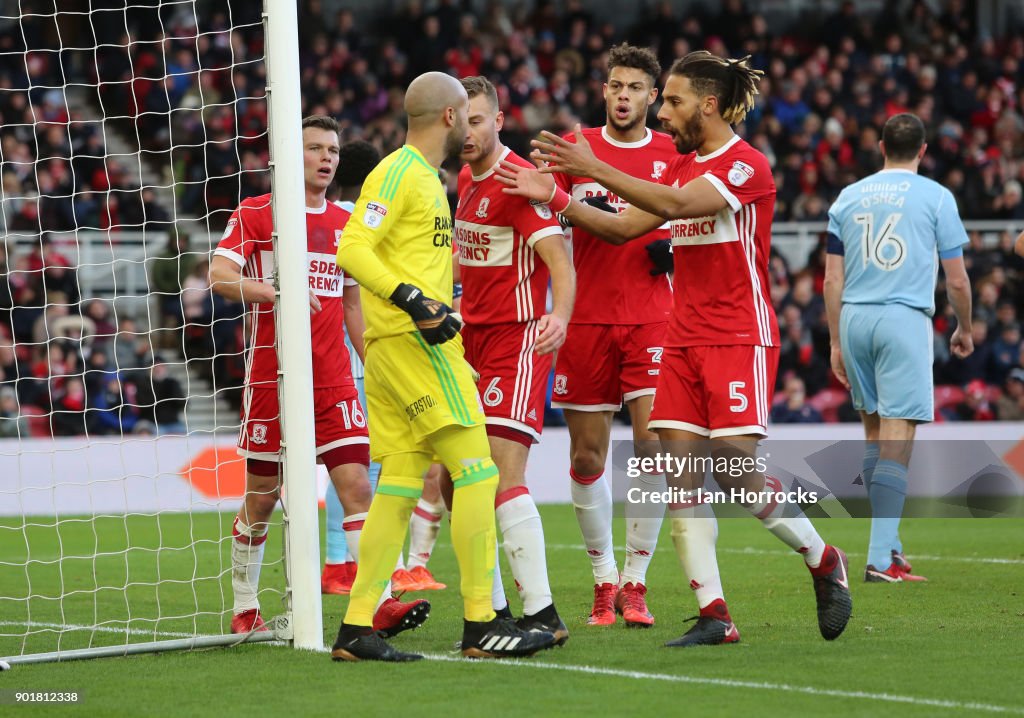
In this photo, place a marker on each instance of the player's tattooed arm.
(540, 188)
(698, 198)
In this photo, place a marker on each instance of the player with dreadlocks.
(722, 344)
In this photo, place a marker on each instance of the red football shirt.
(614, 283)
(247, 242)
(721, 291)
(503, 280)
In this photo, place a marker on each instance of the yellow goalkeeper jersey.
(399, 231)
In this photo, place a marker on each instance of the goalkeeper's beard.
(454, 142)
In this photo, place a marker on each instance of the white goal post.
(116, 542)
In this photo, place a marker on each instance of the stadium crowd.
(818, 119)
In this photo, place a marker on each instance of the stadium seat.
(828, 401)
(947, 395)
(38, 420)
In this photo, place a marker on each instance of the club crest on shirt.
(374, 215)
(739, 173)
(337, 237)
(481, 210)
(659, 167)
(232, 223)
(542, 210)
(259, 433)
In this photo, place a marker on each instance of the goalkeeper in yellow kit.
(421, 398)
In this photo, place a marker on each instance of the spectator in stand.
(161, 399)
(115, 409)
(12, 424)
(1005, 353)
(98, 311)
(974, 407)
(69, 416)
(977, 366)
(1010, 405)
(795, 409)
(131, 348)
(167, 276)
(15, 374)
(797, 354)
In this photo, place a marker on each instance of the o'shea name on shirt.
(888, 193)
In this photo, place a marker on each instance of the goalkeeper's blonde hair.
(732, 82)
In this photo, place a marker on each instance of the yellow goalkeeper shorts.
(414, 389)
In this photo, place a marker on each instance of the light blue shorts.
(888, 353)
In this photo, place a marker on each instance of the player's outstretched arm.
(698, 198)
(553, 326)
(226, 280)
(835, 280)
(958, 288)
(540, 187)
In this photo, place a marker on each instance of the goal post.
(117, 541)
(302, 538)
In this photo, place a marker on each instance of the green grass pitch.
(950, 647)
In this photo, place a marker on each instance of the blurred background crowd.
(189, 105)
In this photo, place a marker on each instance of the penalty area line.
(748, 685)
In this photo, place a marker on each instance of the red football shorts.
(513, 378)
(602, 365)
(715, 390)
(339, 419)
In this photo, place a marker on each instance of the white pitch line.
(775, 552)
(71, 627)
(751, 685)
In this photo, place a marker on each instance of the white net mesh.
(128, 133)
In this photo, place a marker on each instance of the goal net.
(130, 130)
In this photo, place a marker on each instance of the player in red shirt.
(613, 349)
(721, 349)
(507, 249)
(242, 269)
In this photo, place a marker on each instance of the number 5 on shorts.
(735, 389)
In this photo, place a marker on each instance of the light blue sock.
(887, 494)
(871, 450)
(337, 546)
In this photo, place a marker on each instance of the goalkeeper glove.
(660, 252)
(435, 320)
(598, 200)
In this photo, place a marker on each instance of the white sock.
(642, 531)
(498, 600)
(592, 499)
(694, 532)
(353, 527)
(523, 537)
(423, 529)
(247, 546)
(796, 530)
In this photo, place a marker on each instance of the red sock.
(717, 610)
(828, 562)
